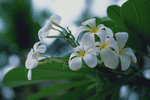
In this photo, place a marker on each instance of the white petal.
(79, 30)
(125, 62)
(101, 26)
(72, 55)
(121, 38)
(79, 48)
(29, 74)
(35, 46)
(93, 49)
(109, 32)
(90, 60)
(102, 35)
(113, 44)
(88, 39)
(130, 53)
(55, 18)
(27, 62)
(41, 48)
(30, 54)
(42, 35)
(75, 63)
(90, 22)
(47, 26)
(31, 63)
(111, 60)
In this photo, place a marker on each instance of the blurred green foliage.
(99, 83)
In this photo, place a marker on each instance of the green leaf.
(75, 94)
(57, 87)
(109, 24)
(52, 71)
(114, 86)
(136, 16)
(114, 13)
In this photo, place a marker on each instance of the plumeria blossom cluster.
(109, 47)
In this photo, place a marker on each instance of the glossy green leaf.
(109, 24)
(57, 87)
(136, 16)
(114, 13)
(52, 71)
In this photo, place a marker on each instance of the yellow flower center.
(82, 53)
(94, 30)
(103, 45)
(120, 51)
(38, 55)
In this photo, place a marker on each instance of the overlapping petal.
(113, 44)
(102, 35)
(88, 39)
(31, 63)
(79, 30)
(90, 60)
(90, 22)
(109, 32)
(121, 38)
(75, 63)
(125, 61)
(110, 59)
(73, 55)
(39, 48)
(130, 53)
(55, 18)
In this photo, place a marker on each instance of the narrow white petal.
(102, 35)
(79, 30)
(90, 22)
(88, 39)
(55, 18)
(125, 62)
(75, 63)
(72, 55)
(113, 44)
(29, 74)
(35, 46)
(41, 48)
(109, 32)
(90, 60)
(111, 60)
(130, 53)
(121, 38)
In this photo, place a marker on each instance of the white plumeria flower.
(32, 58)
(126, 55)
(107, 54)
(89, 58)
(43, 32)
(90, 26)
